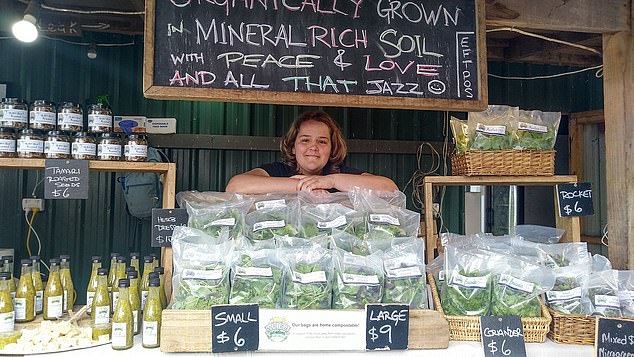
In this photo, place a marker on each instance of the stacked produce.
(299, 251)
(485, 275)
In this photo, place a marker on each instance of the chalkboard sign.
(387, 327)
(502, 336)
(575, 199)
(234, 328)
(65, 179)
(614, 337)
(361, 53)
(163, 223)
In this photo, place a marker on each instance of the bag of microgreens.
(349, 243)
(460, 130)
(359, 198)
(468, 281)
(535, 130)
(404, 267)
(517, 286)
(384, 220)
(201, 270)
(307, 278)
(602, 291)
(563, 254)
(566, 295)
(491, 129)
(297, 242)
(216, 219)
(256, 278)
(267, 221)
(201, 199)
(318, 219)
(626, 292)
(358, 280)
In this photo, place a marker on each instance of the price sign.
(163, 223)
(234, 328)
(387, 327)
(614, 337)
(502, 336)
(65, 179)
(575, 199)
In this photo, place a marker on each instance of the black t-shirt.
(280, 169)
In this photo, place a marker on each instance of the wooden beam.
(591, 117)
(534, 50)
(571, 15)
(618, 91)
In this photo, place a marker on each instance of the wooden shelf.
(116, 166)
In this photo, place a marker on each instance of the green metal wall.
(58, 71)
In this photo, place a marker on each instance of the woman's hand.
(314, 183)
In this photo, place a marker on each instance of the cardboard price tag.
(502, 336)
(387, 327)
(234, 328)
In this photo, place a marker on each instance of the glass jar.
(30, 144)
(70, 117)
(7, 142)
(14, 113)
(99, 118)
(57, 145)
(84, 147)
(42, 115)
(109, 147)
(135, 148)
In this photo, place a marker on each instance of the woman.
(313, 151)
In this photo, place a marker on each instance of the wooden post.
(169, 201)
(618, 87)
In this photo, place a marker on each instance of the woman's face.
(312, 147)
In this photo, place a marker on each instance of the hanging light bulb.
(92, 51)
(25, 30)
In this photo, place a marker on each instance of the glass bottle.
(113, 269)
(152, 316)
(54, 293)
(37, 284)
(135, 302)
(122, 323)
(118, 275)
(7, 313)
(25, 296)
(145, 279)
(100, 318)
(67, 283)
(161, 272)
(134, 261)
(155, 262)
(93, 282)
(7, 260)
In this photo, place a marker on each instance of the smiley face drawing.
(436, 87)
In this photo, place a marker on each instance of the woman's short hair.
(338, 151)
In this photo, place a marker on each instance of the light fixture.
(25, 30)
(92, 51)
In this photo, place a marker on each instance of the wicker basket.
(467, 328)
(573, 329)
(504, 163)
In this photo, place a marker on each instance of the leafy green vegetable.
(528, 140)
(256, 286)
(511, 301)
(483, 141)
(357, 286)
(264, 225)
(570, 304)
(410, 291)
(464, 295)
(230, 221)
(194, 291)
(597, 294)
(308, 293)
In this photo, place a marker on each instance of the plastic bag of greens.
(566, 295)
(265, 223)
(363, 199)
(358, 280)
(201, 270)
(216, 219)
(312, 198)
(563, 254)
(626, 292)
(307, 278)
(535, 130)
(460, 130)
(491, 129)
(202, 199)
(273, 200)
(539, 234)
(297, 242)
(468, 282)
(256, 278)
(602, 291)
(437, 269)
(318, 219)
(517, 286)
(600, 263)
(405, 281)
(349, 243)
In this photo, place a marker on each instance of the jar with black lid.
(57, 145)
(70, 117)
(135, 148)
(84, 147)
(7, 143)
(42, 115)
(99, 118)
(109, 147)
(14, 113)
(30, 144)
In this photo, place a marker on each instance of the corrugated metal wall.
(61, 72)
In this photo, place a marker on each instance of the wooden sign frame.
(153, 91)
